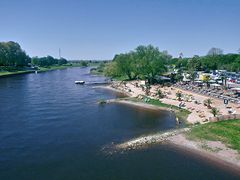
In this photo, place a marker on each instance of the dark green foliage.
(11, 54)
(230, 62)
(144, 62)
(84, 63)
(215, 51)
(48, 61)
(13, 58)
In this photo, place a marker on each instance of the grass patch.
(44, 69)
(228, 132)
(180, 113)
(7, 73)
(41, 69)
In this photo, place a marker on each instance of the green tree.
(179, 95)
(125, 64)
(208, 102)
(193, 75)
(160, 94)
(195, 63)
(214, 111)
(111, 70)
(11, 54)
(84, 63)
(151, 62)
(215, 51)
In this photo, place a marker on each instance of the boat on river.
(79, 82)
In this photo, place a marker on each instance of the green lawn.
(227, 132)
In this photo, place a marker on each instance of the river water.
(51, 128)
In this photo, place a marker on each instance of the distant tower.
(59, 52)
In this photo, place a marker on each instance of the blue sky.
(98, 29)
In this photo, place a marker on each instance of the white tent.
(235, 89)
(212, 81)
(215, 85)
(186, 80)
(231, 84)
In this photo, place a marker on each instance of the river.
(51, 128)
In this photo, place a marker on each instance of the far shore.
(42, 69)
(6, 74)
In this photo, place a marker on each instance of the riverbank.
(41, 69)
(181, 114)
(8, 73)
(211, 149)
(192, 102)
(214, 151)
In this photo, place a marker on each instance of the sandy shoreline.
(208, 150)
(199, 112)
(213, 150)
(216, 161)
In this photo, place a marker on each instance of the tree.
(151, 61)
(192, 75)
(179, 95)
(147, 90)
(195, 63)
(111, 70)
(224, 80)
(62, 61)
(215, 111)
(144, 62)
(11, 54)
(47, 61)
(208, 102)
(160, 94)
(126, 65)
(179, 75)
(215, 51)
(84, 63)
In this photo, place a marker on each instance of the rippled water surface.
(51, 128)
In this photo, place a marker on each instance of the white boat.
(79, 82)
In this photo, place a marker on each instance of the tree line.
(12, 55)
(48, 61)
(146, 62)
(214, 60)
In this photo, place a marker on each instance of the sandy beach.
(199, 112)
